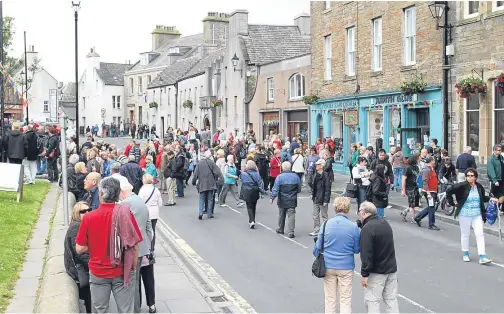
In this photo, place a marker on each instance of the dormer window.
(144, 59)
(174, 50)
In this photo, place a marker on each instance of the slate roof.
(203, 64)
(271, 43)
(67, 100)
(113, 73)
(174, 72)
(162, 60)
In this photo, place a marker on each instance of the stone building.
(361, 54)
(281, 57)
(478, 32)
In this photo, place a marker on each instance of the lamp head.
(235, 60)
(76, 5)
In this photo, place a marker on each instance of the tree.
(11, 63)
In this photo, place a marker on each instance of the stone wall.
(335, 20)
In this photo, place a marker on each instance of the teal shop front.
(379, 119)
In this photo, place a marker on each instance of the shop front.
(381, 120)
(297, 124)
(270, 124)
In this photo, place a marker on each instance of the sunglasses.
(83, 211)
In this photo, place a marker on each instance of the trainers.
(291, 236)
(251, 225)
(412, 221)
(418, 222)
(434, 227)
(484, 260)
(465, 257)
(313, 234)
(403, 215)
(222, 205)
(240, 204)
(279, 231)
(389, 207)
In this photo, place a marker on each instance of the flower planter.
(499, 83)
(187, 104)
(153, 104)
(469, 86)
(413, 87)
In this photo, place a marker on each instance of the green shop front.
(380, 119)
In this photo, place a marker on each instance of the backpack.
(284, 157)
(242, 153)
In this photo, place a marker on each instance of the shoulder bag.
(82, 274)
(152, 193)
(318, 267)
(351, 190)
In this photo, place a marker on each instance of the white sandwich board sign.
(11, 178)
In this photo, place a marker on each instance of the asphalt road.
(273, 273)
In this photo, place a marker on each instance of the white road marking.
(270, 229)
(231, 295)
(496, 264)
(406, 299)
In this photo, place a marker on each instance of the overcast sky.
(120, 30)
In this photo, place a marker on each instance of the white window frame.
(377, 44)
(118, 102)
(327, 5)
(350, 51)
(495, 7)
(293, 95)
(327, 58)
(468, 15)
(132, 86)
(270, 89)
(466, 138)
(140, 89)
(410, 37)
(494, 101)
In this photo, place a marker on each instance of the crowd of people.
(110, 245)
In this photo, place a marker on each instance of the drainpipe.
(176, 104)
(446, 72)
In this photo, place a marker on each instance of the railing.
(205, 102)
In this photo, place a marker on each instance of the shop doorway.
(206, 122)
(320, 124)
(140, 115)
(162, 131)
(423, 124)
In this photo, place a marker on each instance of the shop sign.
(339, 104)
(351, 118)
(396, 118)
(392, 99)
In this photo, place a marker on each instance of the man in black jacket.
(321, 194)
(52, 154)
(15, 145)
(32, 151)
(133, 173)
(169, 172)
(383, 160)
(179, 172)
(378, 262)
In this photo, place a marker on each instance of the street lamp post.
(22, 93)
(76, 7)
(26, 78)
(439, 11)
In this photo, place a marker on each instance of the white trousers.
(30, 170)
(465, 232)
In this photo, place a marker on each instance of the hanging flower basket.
(500, 84)
(310, 99)
(469, 86)
(153, 104)
(414, 87)
(217, 103)
(187, 104)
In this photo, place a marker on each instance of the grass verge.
(17, 221)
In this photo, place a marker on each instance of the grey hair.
(286, 166)
(131, 158)
(110, 188)
(251, 165)
(324, 153)
(368, 208)
(115, 167)
(467, 149)
(73, 159)
(496, 146)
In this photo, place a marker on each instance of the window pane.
(303, 90)
(472, 127)
(298, 85)
(292, 88)
(500, 3)
(473, 102)
(473, 7)
(499, 127)
(499, 100)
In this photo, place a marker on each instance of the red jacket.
(275, 165)
(158, 160)
(430, 180)
(142, 163)
(127, 150)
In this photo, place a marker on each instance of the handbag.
(82, 274)
(351, 190)
(318, 267)
(491, 213)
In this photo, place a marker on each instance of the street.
(273, 273)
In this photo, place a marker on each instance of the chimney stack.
(216, 28)
(161, 34)
(303, 22)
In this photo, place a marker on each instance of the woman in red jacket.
(275, 166)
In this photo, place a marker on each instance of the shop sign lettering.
(392, 99)
(339, 104)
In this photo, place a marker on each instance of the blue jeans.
(180, 187)
(206, 201)
(361, 196)
(41, 164)
(429, 210)
(380, 212)
(398, 173)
